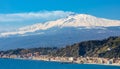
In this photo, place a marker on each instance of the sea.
(34, 64)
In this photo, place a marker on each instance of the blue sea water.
(32, 64)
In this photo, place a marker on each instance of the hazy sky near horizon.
(18, 13)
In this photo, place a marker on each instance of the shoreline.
(63, 62)
(103, 64)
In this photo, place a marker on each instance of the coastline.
(63, 62)
(103, 64)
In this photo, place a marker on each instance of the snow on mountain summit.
(77, 20)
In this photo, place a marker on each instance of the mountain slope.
(59, 33)
(108, 48)
(77, 20)
(57, 38)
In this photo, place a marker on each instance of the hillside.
(107, 48)
(94, 48)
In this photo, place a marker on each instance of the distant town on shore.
(106, 51)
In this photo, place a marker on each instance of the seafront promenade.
(79, 60)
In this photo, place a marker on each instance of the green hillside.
(108, 48)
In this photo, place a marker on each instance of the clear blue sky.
(101, 8)
(109, 9)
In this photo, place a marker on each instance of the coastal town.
(78, 60)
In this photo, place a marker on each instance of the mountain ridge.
(76, 20)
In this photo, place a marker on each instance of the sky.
(18, 13)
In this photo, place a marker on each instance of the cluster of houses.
(81, 60)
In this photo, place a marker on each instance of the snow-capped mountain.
(61, 32)
(76, 21)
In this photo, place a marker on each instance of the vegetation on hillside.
(108, 48)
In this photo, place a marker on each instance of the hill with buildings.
(107, 48)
